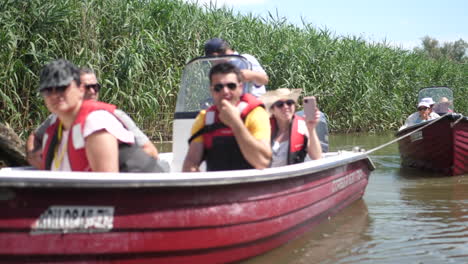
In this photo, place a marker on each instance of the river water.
(405, 216)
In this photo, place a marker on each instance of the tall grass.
(138, 49)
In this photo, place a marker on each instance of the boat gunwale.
(12, 177)
(450, 117)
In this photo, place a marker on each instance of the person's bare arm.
(140, 137)
(313, 148)
(150, 149)
(257, 152)
(193, 158)
(34, 157)
(259, 78)
(102, 151)
(34, 143)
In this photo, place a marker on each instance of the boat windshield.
(194, 92)
(442, 96)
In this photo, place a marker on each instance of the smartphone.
(309, 107)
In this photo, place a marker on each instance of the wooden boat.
(441, 146)
(204, 217)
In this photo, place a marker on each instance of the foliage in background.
(138, 49)
(455, 51)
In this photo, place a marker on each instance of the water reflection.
(337, 234)
(436, 209)
(405, 216)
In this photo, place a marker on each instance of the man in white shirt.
(257, 76)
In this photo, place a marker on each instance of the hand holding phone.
(310, 105)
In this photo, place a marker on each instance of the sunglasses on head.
(219, 86)
(95, 86)
(51, 90)
(280, 104)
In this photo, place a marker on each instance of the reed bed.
(138, 49)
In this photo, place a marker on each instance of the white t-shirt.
(257, 90)
(415, 118)
(280, 149)
(95, 121)
(279, 154)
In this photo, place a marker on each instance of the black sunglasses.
(422, 108)
(95, 86)
(50, 90)
(280, 104)
(219, 86)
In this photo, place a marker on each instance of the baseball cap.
(424, 104)
(58, 73)
(216, 45)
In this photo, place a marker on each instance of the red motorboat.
(203, 217)
(209, 217)
(439, 145)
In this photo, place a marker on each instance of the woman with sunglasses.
(292, 137)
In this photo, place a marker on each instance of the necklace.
(59, 155)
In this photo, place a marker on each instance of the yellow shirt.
(257, 122)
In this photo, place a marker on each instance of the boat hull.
(440, 147)
(202, 223)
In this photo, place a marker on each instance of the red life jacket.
(76, 142)
(221, 151)
(297, 141)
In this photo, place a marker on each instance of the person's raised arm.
(314, 150)
(257, 75)
(256, 151)
(258, 78)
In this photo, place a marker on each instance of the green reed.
(139, 48)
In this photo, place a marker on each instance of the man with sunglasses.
(234, 133)
(92, 88)
(257, 76)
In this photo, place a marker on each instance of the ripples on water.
(405, 216)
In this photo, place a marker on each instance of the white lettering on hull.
(347, 180)
(74, 219)
(416, 136)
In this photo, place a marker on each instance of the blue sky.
(400, 22)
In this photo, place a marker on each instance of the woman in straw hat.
(292, 137)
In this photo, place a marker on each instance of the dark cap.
(58, 73)
(216, 45)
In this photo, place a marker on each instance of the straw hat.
(270, 97)
(444, 100)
